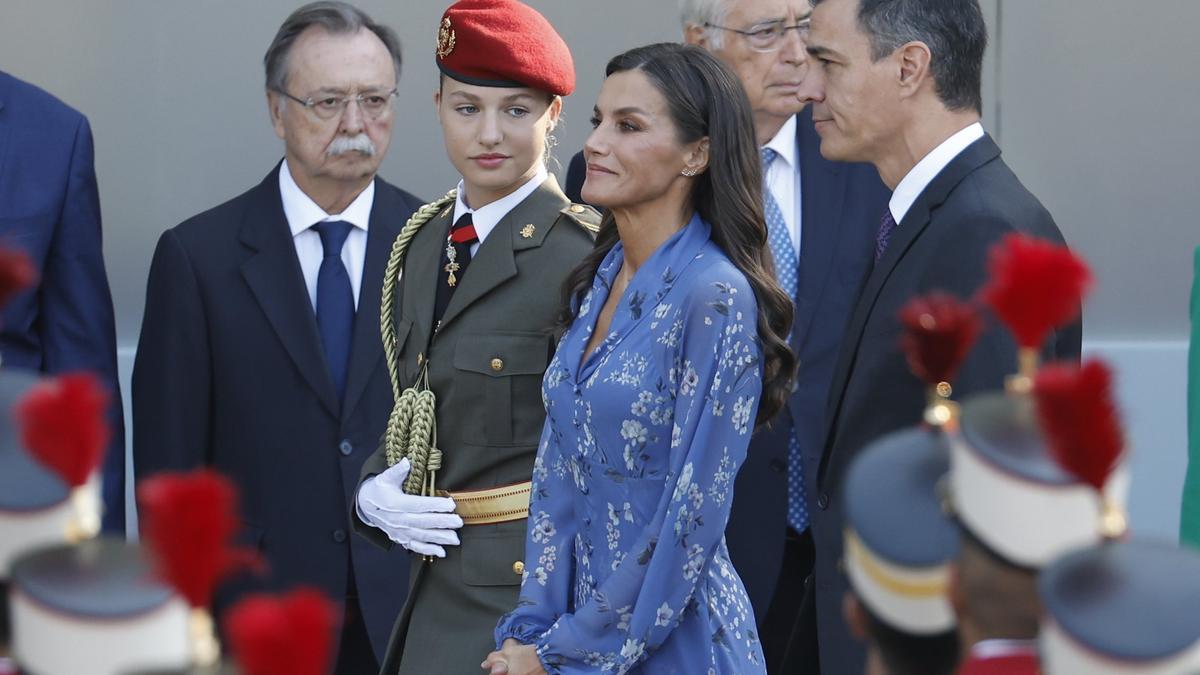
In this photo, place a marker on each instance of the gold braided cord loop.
(391, 277)
(411, 430)
(422, 449)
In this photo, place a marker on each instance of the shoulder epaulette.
(583, 215)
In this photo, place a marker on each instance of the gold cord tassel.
(411, 430)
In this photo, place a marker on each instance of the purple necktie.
(886, 227)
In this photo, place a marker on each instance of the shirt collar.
(486, 218)
(921, 175)
(302, 212)
(784, 143)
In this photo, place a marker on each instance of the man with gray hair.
(254, 359)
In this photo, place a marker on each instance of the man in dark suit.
(260, 353)
(897, 83)
(50, 209)
(820, 220)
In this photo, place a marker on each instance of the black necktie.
(335, 301)
(459, 240)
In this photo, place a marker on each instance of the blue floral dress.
(625, 565)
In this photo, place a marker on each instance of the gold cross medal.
(452, 266)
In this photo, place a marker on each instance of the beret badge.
(445, 42)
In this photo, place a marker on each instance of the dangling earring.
(551, 141)
(689, 172)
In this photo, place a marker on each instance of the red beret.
(503, 43)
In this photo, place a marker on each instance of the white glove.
(420, 524)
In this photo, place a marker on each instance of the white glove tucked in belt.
(420, 524)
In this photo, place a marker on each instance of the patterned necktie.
(778, 238)
(462, 235)
(784, 253)
(335, 301)
(887, 225)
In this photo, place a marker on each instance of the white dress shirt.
(486, 217)
(302, 213)
(921, 175)
(783, 179)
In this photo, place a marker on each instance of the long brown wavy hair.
(706, 99)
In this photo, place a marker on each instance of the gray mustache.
(343, 144)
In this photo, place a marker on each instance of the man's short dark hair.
(908, 654)
(338, 18)
(953, 30)
(1001, 597)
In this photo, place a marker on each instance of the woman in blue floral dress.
(673, 353)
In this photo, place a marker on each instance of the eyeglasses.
(767, 37)
(372, 104)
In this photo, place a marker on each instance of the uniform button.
(497, 365)
(339, 535)
(823, 501)
(518, 568)
(345, 447)
(575, 208)
(777, 465)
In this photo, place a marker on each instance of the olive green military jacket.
(485, 367)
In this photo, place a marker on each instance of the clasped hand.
(422, 525)
(513, 658)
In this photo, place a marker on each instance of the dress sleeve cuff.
(522, 628)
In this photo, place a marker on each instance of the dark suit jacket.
(50, 208)
(942, 243)
(576, 172)
(489, 421)
(230, 374)
(842, 204)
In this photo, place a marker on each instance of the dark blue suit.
(841, 206)
(230, 374)
(942, 243)
(50, 208)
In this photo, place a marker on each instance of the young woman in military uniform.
(469, 309)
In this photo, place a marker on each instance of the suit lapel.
(387, 217)
(495, 261)
(907, 232)
(274, 276)
(421, 270)
(823, 189)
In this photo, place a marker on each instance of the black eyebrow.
(628, 110)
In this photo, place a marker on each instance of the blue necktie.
(786, 272)
(335, 301)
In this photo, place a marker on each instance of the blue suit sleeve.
(76, 310)
(171, 374)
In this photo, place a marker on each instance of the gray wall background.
(1093, 102)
